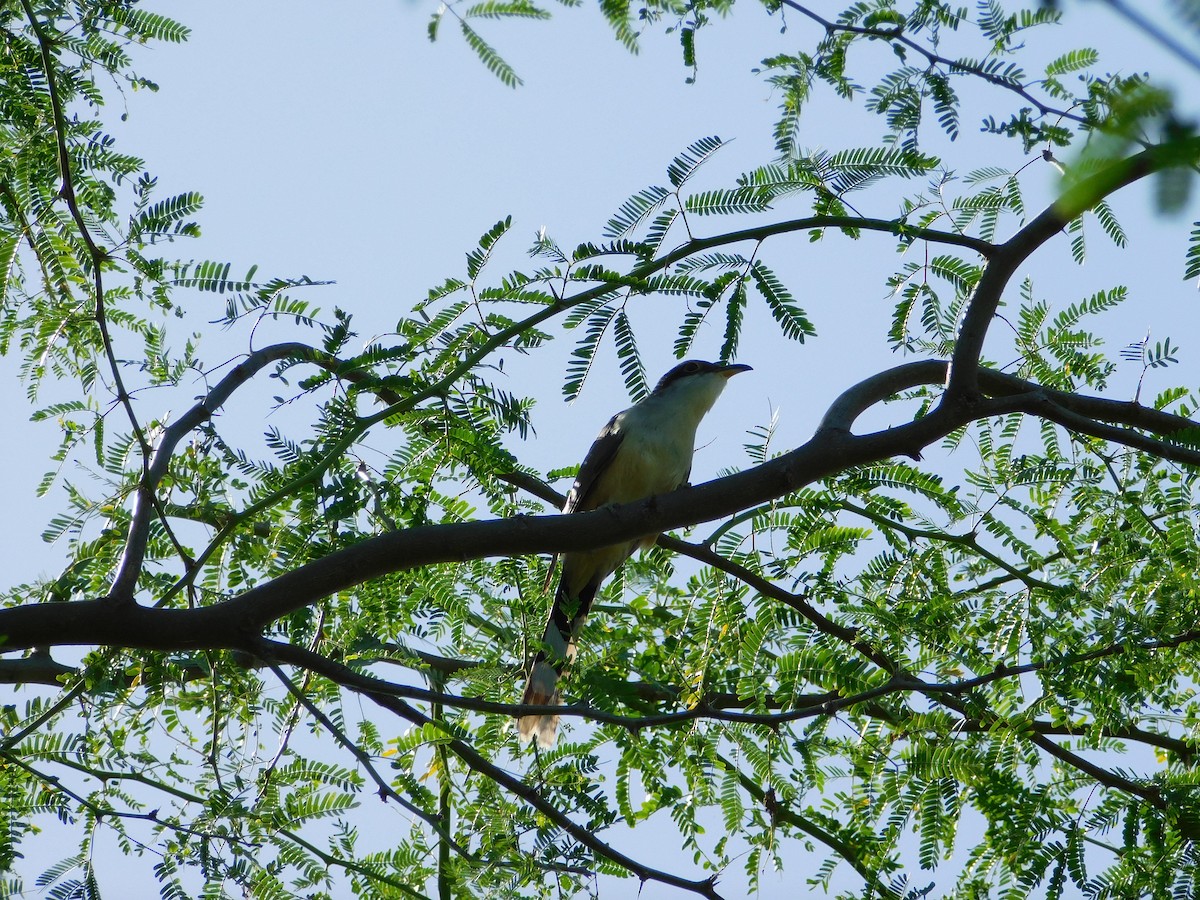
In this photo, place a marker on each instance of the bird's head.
(692, 387)
(697, 371)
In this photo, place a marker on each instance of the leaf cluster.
(879, 652)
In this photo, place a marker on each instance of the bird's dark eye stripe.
(691, 367)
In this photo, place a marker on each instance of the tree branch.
(340, 674)
(130, 566)
(236, 623)
(1079, 197)
(841, 846)
(897, 35)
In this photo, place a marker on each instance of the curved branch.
(130, 565)
(351, 865)
(37, 668)
(237, 623)
(1101, 775)
(1072, 203)
(897, 227)
(857, 399)
(1181, 748)
(387, 695)
(716, 707)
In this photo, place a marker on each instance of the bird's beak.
(734, 368)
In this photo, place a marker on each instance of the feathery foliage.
(949, 651)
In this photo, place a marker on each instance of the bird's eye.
(693, 367)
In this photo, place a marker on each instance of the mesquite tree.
(868, 657)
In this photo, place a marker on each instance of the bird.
(642, 451)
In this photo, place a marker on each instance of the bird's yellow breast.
(647, 463)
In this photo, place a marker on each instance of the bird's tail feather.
(540, 690)
(558, 649)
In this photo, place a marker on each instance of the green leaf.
(584, 355)
(792, 320)
(735, 309)
(144, 25)
(9, 241)
(1192, 261)
(635, 210)
(435, 21)
(1072, 61)
(726, 202)
(684, 165)
(165, 218)
(633, 370)
(618, 15)
(477, 259)
(1108, 221)
(505, 9)
(1078, 243)
(491, 60)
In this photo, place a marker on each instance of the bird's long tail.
(540, 690)
(567, 616)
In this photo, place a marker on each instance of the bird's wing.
(601, 453)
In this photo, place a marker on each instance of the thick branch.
(37, 668)
(1076, 412)
(1074, 201)
(237, 622)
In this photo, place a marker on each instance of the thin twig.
(380, 694)
(897, 35)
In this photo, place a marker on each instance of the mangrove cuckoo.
(642, 451)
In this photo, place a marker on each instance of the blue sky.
(335, 141)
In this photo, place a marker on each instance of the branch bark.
(237, 622)
(1077, 199)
